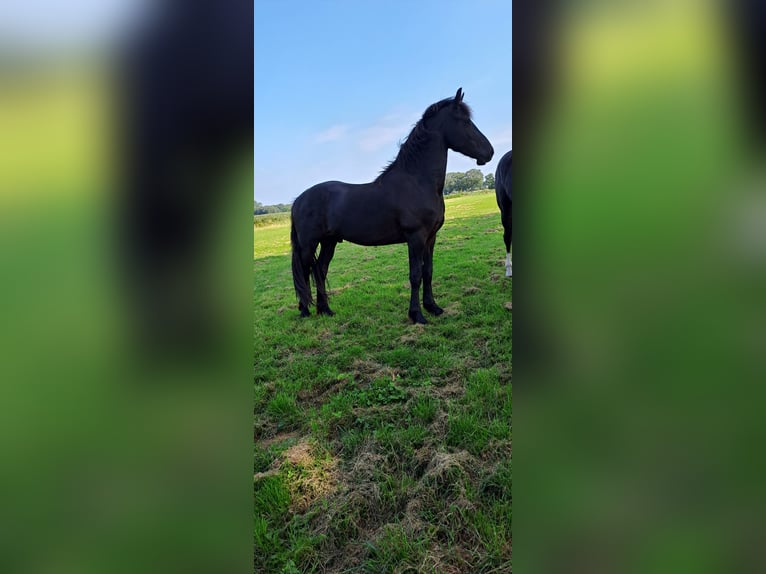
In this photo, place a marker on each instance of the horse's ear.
(459, 95)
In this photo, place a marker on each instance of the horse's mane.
(412, 147)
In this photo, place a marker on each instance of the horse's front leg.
(428, 271)
(417, 249)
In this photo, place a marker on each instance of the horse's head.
(452, 118)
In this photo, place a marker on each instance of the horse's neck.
(431, 166)
(438, 164)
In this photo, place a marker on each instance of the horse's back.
(362, 213)
(321, 198)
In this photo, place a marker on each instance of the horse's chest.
(439, 218)
(426, 219)
(433, 219)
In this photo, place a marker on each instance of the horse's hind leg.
(428, 271)
(323, 264)
(307, 262)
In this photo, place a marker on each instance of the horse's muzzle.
(486, 158)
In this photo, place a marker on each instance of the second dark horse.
(403, 205)
(505, 203)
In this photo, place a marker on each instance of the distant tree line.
(471, 180)
(454, 182)
(260, 209)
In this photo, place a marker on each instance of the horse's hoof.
(305, 312)
(326, 311)
(434, 309)
(417, 317)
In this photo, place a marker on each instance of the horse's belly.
(370, 240)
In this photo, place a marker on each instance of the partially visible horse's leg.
(428, 271)
(507, 226)
(307, 262)
(320, 275)
(417, 248)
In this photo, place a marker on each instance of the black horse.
(505, 203)
(403, 205)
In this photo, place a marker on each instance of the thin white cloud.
(332, 133)
(387, 131)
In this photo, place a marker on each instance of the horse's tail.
(300, 272)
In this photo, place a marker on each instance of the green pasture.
(382, 446)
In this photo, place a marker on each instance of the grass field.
(382, 446)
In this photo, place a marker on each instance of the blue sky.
(338, 83)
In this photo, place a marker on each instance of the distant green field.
(272, 231)
(382, 446)
(269, 219)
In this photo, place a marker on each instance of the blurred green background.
(637, 445)
(108, 463)
(641, 235)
